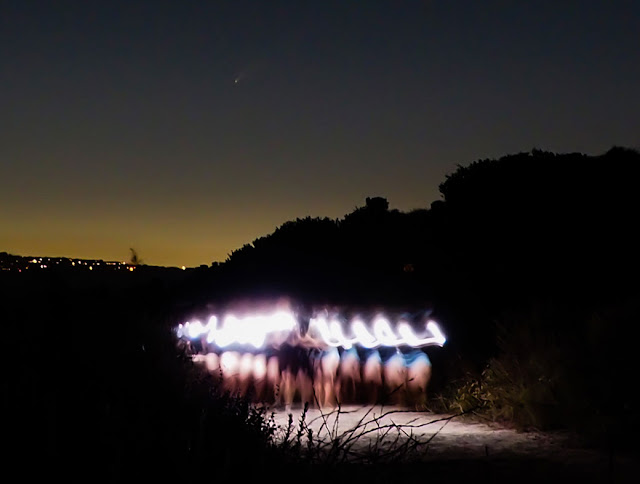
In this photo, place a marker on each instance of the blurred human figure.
(418, 376)
(395, 377)
(229, 363)
(212, 363)
(298, 358)
(245, 372)
(259, 377)
(349, 375)
(272, 390)
(290, 364)
(304, 386)
(199, 360)
(287, 387)
(204, 345)
(329, 364)
(372, 376)
(310, 383)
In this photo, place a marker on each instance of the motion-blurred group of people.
(323, 377)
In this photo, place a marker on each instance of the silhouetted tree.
(134, 259)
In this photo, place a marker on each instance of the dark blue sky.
(186, 129)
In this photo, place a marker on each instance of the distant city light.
(16, 263)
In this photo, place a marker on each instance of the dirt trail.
(456, 446)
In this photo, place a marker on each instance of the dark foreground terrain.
(456, 448)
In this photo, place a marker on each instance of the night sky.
(187, 129)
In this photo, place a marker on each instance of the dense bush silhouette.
(539, 230)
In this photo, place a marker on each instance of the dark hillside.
(531, 257)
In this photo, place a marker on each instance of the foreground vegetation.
(99, 390)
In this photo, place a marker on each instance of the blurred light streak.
(259, 330)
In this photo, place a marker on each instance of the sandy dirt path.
(455, 445)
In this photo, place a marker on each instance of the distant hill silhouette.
(519, 216)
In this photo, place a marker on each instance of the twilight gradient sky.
(186, 129)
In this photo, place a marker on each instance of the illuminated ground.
(468, 447)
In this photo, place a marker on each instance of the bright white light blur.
(332, 333)
(336, 333)
(407, 334)
(226, 335)
(229, 362)
(438, 338)
(212, 325)
(319, 325)
(231, 348)
(273, 329)
(365, 338)
(245, 365)
(259, 366)
(194, 329)
(249, 330)
(383, 332)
